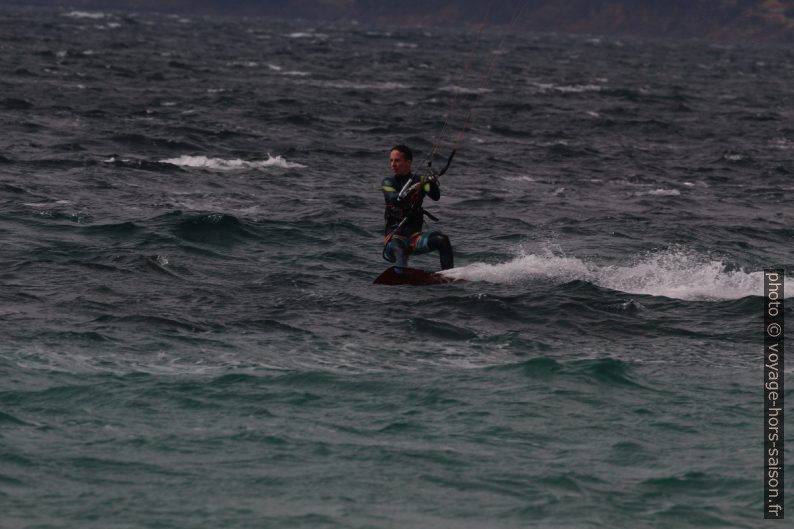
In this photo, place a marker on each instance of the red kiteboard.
(413, 276)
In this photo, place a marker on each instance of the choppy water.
(191, 222)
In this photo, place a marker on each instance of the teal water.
(545, 442)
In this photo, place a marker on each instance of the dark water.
(191, 218)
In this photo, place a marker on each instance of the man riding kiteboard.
(404, 192)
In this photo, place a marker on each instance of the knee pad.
(438, 241)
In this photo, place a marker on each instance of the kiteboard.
(413, 276)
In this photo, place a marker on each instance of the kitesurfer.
(404, 192)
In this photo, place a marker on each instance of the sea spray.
(674, 273)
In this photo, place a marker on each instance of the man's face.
(399, 165)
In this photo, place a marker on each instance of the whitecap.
(280, 70)
(244, 64)
(661, 193)
(522, 178)
(220, 164)
(85, 14)
(577, 89)
(567, 89)
(306, 35)
(353, 85)
(465, 91)
(46, 204)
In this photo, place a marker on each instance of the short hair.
(409, 155)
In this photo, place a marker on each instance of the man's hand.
(412, 194)
(431, 179)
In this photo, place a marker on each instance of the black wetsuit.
(411, 206)
(403, 239)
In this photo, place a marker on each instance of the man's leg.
(440, 242)
(397, 248)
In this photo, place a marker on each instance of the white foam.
(578, 89)
(270, 66)
(524, 268)
(682, 275)
(677, 274)
(221, 164)
(85, 14)
(783, 143)
(465, 91)
(522, 178)
(353, 85)
(306, 35)
(244, 64)
(662, 193)
(567, 89)
(46, 204)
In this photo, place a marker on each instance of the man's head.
(400, 158)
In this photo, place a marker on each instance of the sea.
(191, 219)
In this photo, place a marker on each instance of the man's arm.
(431, 187)
(390, 193)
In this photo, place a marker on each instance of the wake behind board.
(413, 276)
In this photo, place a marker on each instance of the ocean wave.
(212, 228)
(676, 273)
(13, 103)
(462, 90)
(661, 192)
(306, 35)
(604, 371)
(146, 141)
(220, 164)
(94, 15)
(567, 89)
(143, 165)
(356, 85)
(281, 71)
